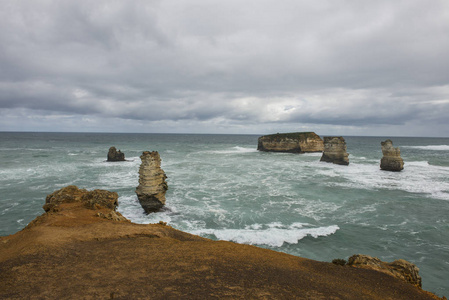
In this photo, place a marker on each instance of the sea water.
(222, 188)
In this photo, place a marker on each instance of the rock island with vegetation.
(295, 142)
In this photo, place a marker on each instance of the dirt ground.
(75, 254)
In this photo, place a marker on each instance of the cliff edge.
(81, 248)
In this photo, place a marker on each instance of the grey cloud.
(257, 62)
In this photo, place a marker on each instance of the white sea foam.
(274, 236)
(26, 149)
(130, 208)
(417, 163)
(417, 177)
(234, 150)
(316, 154)
(430, 147)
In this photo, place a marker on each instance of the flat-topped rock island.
(294, 142)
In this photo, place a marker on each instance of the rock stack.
(114, 155)
(295, 142)
(391, 160)
(335, 150)
(152, 184)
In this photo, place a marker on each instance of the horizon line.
(195, 133)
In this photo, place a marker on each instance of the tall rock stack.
(391, 160)
(335, 150)
(152, 184)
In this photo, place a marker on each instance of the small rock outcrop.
(95, 200)
(335, 150)
(296, 142)
(114, 155)
(391, 160)
(400, 268)
(152, 184)
(91, 199)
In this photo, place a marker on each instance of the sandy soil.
(75, 254)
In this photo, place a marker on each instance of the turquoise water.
(220, 187)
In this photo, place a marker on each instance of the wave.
(417, 163)
(235, 150)
(274, 235)
(317, 154)
(417, 177)
(430, 147)
(26, 149)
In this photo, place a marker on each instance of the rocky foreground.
(81, 248)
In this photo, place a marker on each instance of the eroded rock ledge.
(400, 268)
(102, 200)
(296, 142)
(72, 251)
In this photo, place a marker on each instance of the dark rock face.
(391, 160)
(400, 268)
(152, 184)
(114, 155)
(335, 150)
(296, 142)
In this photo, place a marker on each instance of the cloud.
(234, 66)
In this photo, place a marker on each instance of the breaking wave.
(430, 147)
(274, 234)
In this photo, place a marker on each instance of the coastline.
(85, 249)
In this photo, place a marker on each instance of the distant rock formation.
(391, 160)
(335, 150)
(400, 268)
(114, 155)
(296, 142)
(152, 184)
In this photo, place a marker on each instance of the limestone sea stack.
(335, 150)
(391, 160)
(114, 155)
(152, 184)
(295, 142)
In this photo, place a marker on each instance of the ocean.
(222, 188)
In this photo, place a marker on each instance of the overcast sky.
(230, 66)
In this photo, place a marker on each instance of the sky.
(335, 67)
